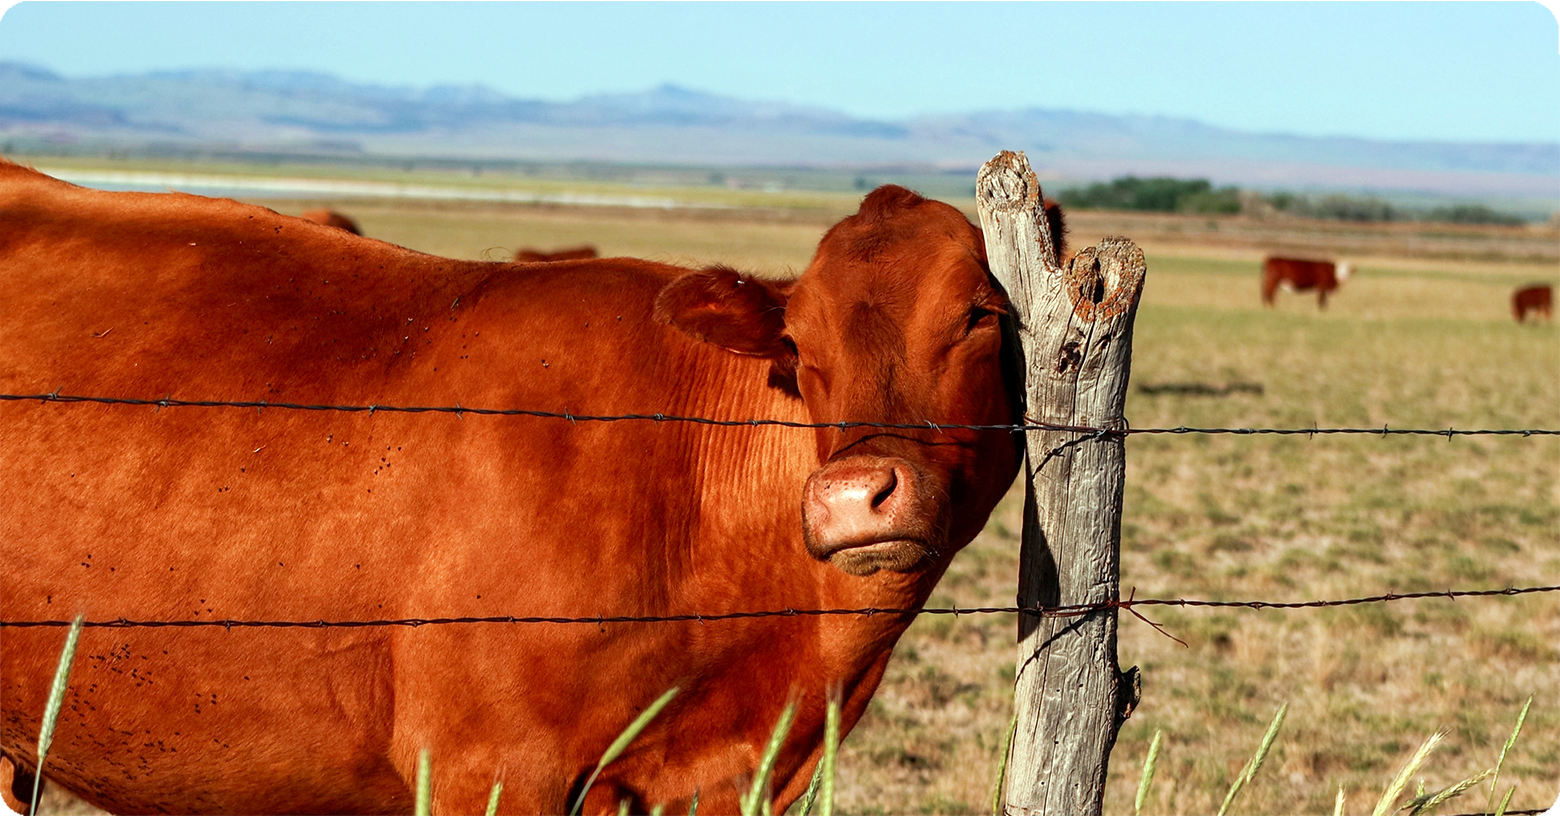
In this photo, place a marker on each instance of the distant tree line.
(1199, 196)
(1154, 195)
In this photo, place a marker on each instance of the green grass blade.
(1007, 748)
(693, 807)
(1505, 801)
(424, 805)
(752, 803)
(1255, 763)
(1148, 774)
(1505, 749)
(622, 807)
(812, 789)
(620, 744)
(657, 810)
(831, 750)
(51, 709)
(1385, 804)
(492, 808)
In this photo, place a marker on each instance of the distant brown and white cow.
(1300, 274)
(1537, 298)
(198, 514)
(331, 218)
(578, 253)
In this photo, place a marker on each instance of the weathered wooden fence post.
(1074, 330)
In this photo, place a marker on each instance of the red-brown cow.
(331, 218)
(190, 513)
(1537, 298)
(578, 253)
(1298, 274)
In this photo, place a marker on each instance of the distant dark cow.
(202, 513)
(1298, 274)
(578, 253)
(1537, 298)
(331, 218)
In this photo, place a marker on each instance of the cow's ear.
(1058, 225)
(726, 308)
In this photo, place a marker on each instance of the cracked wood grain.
(1072, 323)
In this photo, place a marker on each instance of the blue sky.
(1456, 71)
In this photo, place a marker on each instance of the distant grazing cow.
(1537, 298)
(1293, 273)
(578, 253)
(331, 218)
(201, 514)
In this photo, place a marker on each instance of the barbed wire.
(1029, 425)
(1064, 611)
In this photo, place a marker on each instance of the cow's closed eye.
(982, 317)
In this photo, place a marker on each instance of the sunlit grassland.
(1288, 519)
(1297, 519)
(1414, 340)
(772, 247)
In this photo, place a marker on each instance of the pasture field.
(1421, 337)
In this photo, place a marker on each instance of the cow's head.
(895, 321)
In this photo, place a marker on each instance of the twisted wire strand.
(1029, 425)
(1064, 611)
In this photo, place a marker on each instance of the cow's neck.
(750, 487)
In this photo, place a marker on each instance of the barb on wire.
(1131, 601)
(1027, 426)
(1064, 611)
(1116, 428)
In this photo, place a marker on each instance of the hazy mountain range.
(317, 113)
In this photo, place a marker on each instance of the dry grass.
(771, 246)
(1422, 337)
(1251, 235)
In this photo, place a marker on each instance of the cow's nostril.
(888, 489)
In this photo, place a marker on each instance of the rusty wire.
(1027, 426)
(1065, 611)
